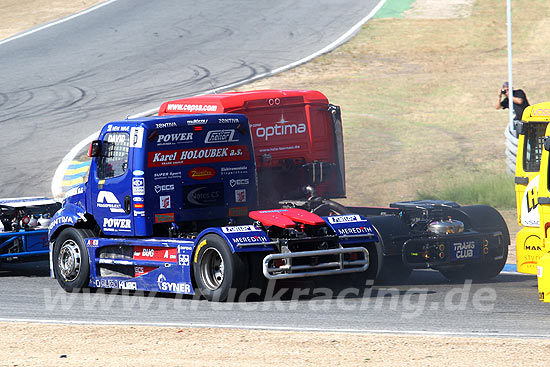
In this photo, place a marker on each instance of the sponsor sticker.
(220, 136)
(165, 202)
(197, 156)
(344, 219)
(174, 138)
(161, 188)
(236, 229)
(239, 182)
(138, 186)
(201, 173)
(106, 199)
(238, 211)
(199, 196)
(164, 218)
(240, 196)
(136, 137)
(117, 224)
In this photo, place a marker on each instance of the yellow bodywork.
(532, 240)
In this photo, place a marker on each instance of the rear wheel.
(217, 270)
(476, 272)
(70, 259)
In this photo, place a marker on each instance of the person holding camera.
(519, 99)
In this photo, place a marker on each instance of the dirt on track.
(29, 344)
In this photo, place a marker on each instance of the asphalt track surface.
(64, 82)
(508, 306)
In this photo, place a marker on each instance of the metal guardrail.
(511, 148)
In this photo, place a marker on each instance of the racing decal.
(116, 284)
(164, 218)
(161, 188)
(139, 205)
(220, 136)
(198, 156)
(181, 107)
(201, 173)
(138, 186)
(61, 220)
(136, 137)
(353, 230)
(106, 199)
(166, 175)
(249, 239)
(164, 125)
(165, 202)
(92, 243)
(228, 121)
(117, 224)
(167, 286)
(162, 254)
(239, 182)
(142, 270)
(174, 138)
(139, 213)
(236, 229)
(280, 128)
(344, 219)
(183, 259)
(74, 191)
(234, 170)
(529, 205)
(198, 196)
(240, 196)
(238, 211)
(464, 250)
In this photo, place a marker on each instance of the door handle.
(127, 204)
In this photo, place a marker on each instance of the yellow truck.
(531, 186)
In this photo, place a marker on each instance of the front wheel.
(70, 259)
(217, 270)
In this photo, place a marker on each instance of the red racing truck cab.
(297, 138)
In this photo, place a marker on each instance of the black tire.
(485, 219)
(217, 270)
(327, 207)
(476, 272)
(71, 263)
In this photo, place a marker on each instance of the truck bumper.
(315, 263)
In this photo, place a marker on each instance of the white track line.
(280, 328)
(57, 190)
(48, 25)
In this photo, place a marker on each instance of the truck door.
(110, 198)
(527, 170)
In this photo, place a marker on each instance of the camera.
(503, 91)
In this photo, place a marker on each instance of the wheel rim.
(69, 260)
(212, 271)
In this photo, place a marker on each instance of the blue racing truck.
(171, 206)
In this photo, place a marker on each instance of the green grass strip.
(394, 9)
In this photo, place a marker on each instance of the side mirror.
(95, 149)
(547, 143)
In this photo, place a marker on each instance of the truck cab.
(297, 137)
(148, 174)
(530, 173)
